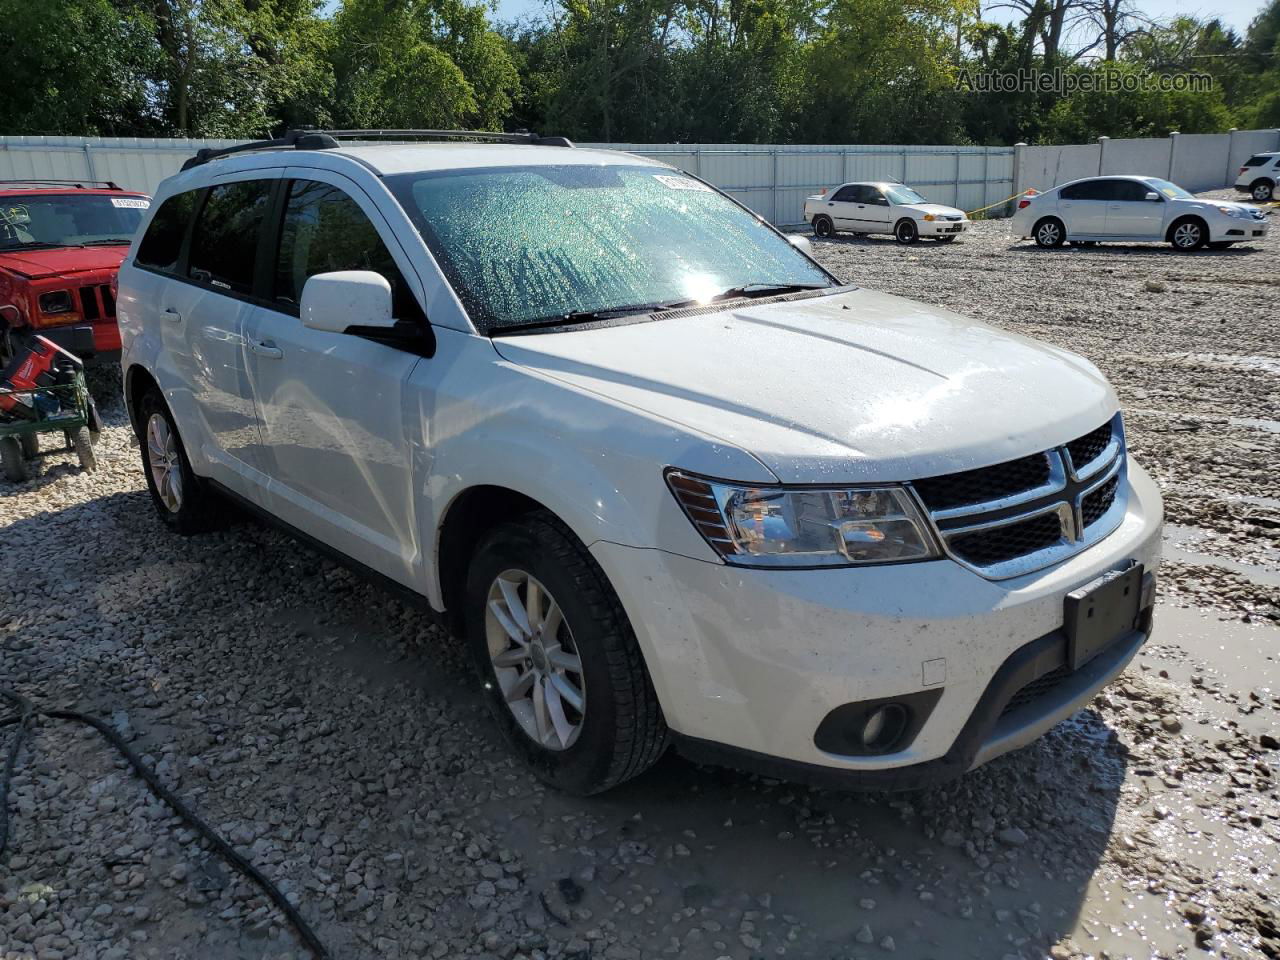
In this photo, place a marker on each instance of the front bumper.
(942, 228)
(748, 663)
(1238, 230)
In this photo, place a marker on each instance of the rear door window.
(224, 244)
(324, 231)
(846, 195)
(161, 246)
(1088, 190)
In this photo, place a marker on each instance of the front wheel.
(1188, 235)
(82, 440)
(823, 227)
(558, 661)
(906, 232)
(14, 463)
(1262, 190)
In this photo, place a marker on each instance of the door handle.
(172, 315)
(266, 348)
(831, 203)
(862, 206)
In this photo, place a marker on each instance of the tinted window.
(325, 230)
(1088, 190)
(847, 194)
(1256, 160)
(224, 245)
(1129, 190)
(161, 245)
(874, 195)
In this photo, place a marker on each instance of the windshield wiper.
(766, 289)
(589, 316)
(39, 245)
(109, 242)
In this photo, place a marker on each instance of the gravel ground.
(335, 737)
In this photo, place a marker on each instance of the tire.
(905, 231)
(1188, 234)
(616, 730)
(15, 464)
(95, 421)
(1262, 190)
(30, 443)
(1049, 232)
(823, 227)
(1220, 244)
(190, 506)
(83, 442)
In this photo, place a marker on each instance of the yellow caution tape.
(970, 213)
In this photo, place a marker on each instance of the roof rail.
(307, 139)
(78, 184)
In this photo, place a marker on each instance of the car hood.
(852, 387)
(36, 264)
(937, 209)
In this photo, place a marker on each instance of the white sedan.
(1135, 209)
(883, 208)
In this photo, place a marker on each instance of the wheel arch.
(470, 515)
(1204, 225)
(137, 381)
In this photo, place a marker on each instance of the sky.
(1234, 13)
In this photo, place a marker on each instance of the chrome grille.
(1029, 513)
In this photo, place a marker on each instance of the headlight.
(58, 301)
(1240, 212)
(804, 526)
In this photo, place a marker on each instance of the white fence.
(770, 179)
(1197, 161)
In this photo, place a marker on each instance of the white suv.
(666, 478)
(883, 207)
(1259, 176)
(1134, 209)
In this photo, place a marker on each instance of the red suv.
(61, 243)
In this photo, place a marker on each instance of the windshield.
(1170, 189)
(61, 220)
(527, 244)
(904, 195)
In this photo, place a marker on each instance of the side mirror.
(1152, 195)
(347, 298)
(800, 242)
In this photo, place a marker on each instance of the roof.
(393, 158)
(15, 189)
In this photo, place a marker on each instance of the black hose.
(23, 719)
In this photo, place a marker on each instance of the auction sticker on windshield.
(135, 203)
(681, 183)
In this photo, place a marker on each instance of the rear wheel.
(905, 231)
(1049, 232)
(823, 227)
(1262, 190)
(15, 464)
(558, 661)
(30, 443)
(182, 500)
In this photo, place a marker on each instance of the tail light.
(1024, 202)
(1242, 170)
(824, 192)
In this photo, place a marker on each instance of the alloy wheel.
(1186, 236)
(165, 463)
(1048, 234)
(1262, 192)
(535, 660)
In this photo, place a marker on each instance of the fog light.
(883, 726)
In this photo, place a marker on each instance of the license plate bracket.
(1100, 612)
